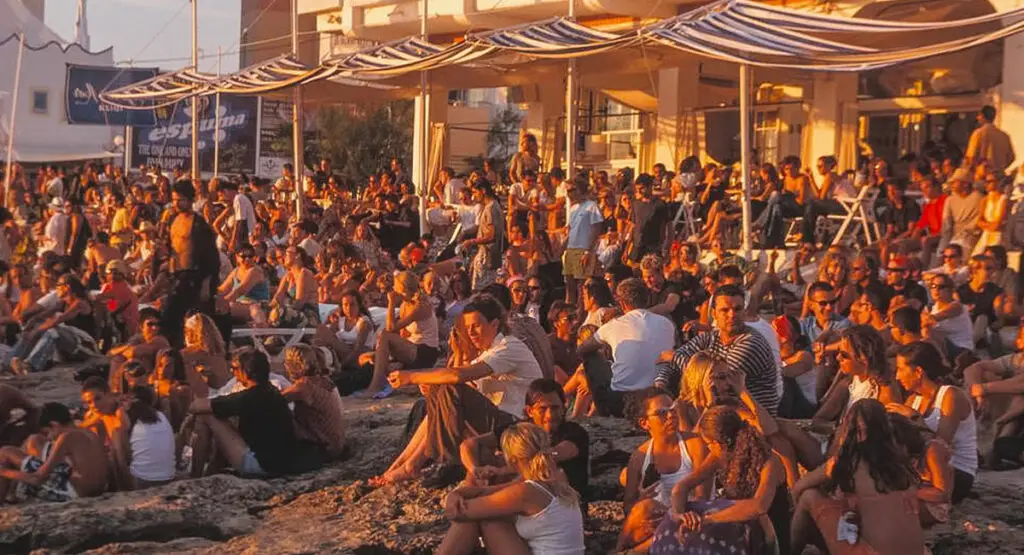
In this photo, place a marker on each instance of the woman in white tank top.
(655, 468)
(945, 409)
(418, 350)
(545, 510)
(150, 459)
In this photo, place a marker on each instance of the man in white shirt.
(56, 231)
(480, 396)
(54, 183)
(584, 220)
(241, 217)
(451, 187)
(636, 339)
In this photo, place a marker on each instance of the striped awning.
(741, 31)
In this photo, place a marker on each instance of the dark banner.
(82, 90)
(275, 138)
(169, 142)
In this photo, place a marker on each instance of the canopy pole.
(570, 110)
(194, 99)
(14, 115)
(745, 153)
(422, 132)
(300, 172)
(216, 123)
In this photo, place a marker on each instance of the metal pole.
(297, 119)
(216, 123)
(14, 115)
(194, 99)
(745, 152)
(424, 132)
(570, 110)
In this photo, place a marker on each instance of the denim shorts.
(250, 466)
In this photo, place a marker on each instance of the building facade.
(635, 112)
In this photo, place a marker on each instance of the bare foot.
(403, 473)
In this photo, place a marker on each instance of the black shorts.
(426, 357)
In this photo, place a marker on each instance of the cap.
(119, 266)
(961, 174)
(57, 202)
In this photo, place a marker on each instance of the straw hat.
(961, 174)
(57, 202)
(146, 225)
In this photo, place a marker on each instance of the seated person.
(753, 508)
(930, 457)
(19, 416)
(997, 389)
(122, 303)
(204, 345)
(170, 383)
(264, 442)
(945, 409)
(61, 329)
(245, 285)
(63, 463)
(349, 333)
(886, 510)
(296, 302)
(799, 380)
(655, 468)
(538, 514)
(319, 415)
(410, 313)
(144, 449)
(141, 348)
(500, 368)
(570, 443)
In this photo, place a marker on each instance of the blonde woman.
(319, 416)
(539, 514)
(993, 215)
(418, 350)
(204, 346)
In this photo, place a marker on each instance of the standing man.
(989, 143)
(194, 264)
(241, 217)
(584, 220)
(650, 220)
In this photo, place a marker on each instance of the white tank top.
(965, 440)
(556, 530)
(424, 332)
(668, 481)
(959, 329)
(152, 448)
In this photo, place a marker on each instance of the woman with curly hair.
(319, 415)
(753, 510)
(538, 513)
(656, 467)
(869, 482)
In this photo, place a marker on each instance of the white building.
(42, 133)
(640, 110)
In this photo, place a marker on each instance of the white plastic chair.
(860, 209)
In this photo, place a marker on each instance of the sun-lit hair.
(201, 334)
(528, 448)
(409, 283)
(696, 373)
(301, 360)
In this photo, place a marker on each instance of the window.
(40, 102)
(766, 136)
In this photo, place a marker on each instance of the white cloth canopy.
(741, 31)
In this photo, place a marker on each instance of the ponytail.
(530, 446)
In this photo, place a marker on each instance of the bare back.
(889, 521)
(84, 451)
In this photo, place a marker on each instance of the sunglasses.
(843, 355)
(896, 270)
(152, 324)
(827, 302)
(948, 256)
(660, 413)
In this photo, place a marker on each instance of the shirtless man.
(99, 253)
(63, 463)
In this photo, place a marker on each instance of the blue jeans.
(39, 353)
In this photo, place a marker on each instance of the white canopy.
(741, 31)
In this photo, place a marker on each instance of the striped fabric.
(741, 31)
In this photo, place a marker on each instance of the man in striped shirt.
(742, 347)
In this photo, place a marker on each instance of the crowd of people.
(783, 395)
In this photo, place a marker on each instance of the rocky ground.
(335, 511)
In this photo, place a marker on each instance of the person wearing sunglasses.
(245, 285)
(949, 316)
(655, 467)
(897, 277)
(952, 265)
(980, 295)
(141, 348)
(65, 328)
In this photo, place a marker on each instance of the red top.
(123, 296)
(931, 215)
